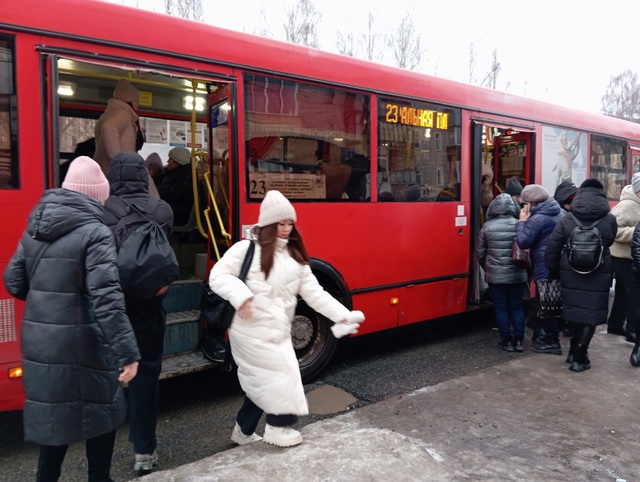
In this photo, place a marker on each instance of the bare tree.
(302, 21)
(472, 63)
(191, 9)
(491, 79)
(345, 44)
(622, 97)
(370, 41)
(263, 31)
(405, 44)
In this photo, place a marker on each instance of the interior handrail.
(214, 203)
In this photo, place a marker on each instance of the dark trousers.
(148, 319)
(99, 452)
(509, 309)
(142, 399)
(249, 416)
(625, 305)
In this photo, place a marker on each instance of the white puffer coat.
(268, 369)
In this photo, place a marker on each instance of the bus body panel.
(401, 262)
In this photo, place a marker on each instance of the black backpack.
(146, 261)
(584, 247)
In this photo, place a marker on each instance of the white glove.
(341, 329)
(356, 316)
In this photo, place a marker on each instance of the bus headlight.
(15, 372)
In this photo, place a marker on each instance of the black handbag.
(550, 296)
(217, 312)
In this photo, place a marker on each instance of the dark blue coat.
(534, 233)
(585, 296)
(75, 333)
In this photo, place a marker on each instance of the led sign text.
(412, 116)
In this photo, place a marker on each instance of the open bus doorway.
(499, 154)
(174, 110)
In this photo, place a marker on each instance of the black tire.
(313, 341)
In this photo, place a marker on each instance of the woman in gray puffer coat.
(506, 281)
(76, 341)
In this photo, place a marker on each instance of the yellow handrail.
(214, 203)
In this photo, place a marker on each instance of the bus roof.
(141, 30)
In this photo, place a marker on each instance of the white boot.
(281, 436)
(238, 437)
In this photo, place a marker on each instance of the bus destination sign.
(412, 116)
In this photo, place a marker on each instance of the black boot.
(574, 332)
(634, 359)
(581, 360)
(549, 343)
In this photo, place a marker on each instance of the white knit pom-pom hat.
(275, 208)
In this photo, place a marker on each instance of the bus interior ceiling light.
(66, 89)
(187, 103)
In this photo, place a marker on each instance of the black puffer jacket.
(496, 240)
(585, 296)
(635, 249)
(75, 333)
(176, 188)
(129, 180)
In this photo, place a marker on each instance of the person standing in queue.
(538, 219)
(625, 304)
(129, 180)
(585, 295)
(260, 334)
(506, 281)
(77, 343)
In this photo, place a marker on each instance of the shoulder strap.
(579, 223)
(36, 259)
(246, 264)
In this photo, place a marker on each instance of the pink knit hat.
(275, 208)
(86, 176)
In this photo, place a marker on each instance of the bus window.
(418, 151)
(8, 118)
(309, 142)
(609, 164)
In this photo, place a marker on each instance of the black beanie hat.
(513, 187)
(564, 191)
(592, 182)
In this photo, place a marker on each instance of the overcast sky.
(561, 51)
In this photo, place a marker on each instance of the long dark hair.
(267, 240)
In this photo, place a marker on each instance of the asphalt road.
(197, 411)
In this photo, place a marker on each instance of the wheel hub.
(301, 332)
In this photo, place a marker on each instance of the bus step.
(183, 295)
(183, 363)
(182, 333)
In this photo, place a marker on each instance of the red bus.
(383, 165)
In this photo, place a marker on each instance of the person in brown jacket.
(118, 129)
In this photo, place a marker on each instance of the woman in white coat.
(260, 334)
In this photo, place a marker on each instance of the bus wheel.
(313, 341)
